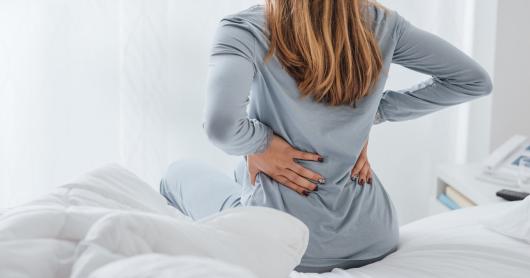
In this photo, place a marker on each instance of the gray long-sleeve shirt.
(347, 222)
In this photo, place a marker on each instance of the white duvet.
(109, 223)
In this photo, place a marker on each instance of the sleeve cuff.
(378, 118)
(268, 138)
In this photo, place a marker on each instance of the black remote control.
(511, 195)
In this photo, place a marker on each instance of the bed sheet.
(453, 244)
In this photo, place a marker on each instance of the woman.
(315, 71)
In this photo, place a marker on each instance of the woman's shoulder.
(382, 18)
(252, 17)
(387, 25)
(238, 32)
(251, 12)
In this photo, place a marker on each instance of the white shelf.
(463, 178)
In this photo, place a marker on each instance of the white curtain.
(85, 82)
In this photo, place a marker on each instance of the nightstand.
(463, 179)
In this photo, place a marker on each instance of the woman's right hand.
(278, 162)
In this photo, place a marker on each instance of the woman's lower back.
(349, 224)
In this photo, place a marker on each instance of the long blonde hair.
(327, 46)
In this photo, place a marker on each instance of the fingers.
(357, 168)
(307, 156)
(369, 175)
(299, 181)
(364, 173)
(285, 181)
(361, 170)
(304, 172)
(253, 173)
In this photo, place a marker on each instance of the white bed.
(108, 223)
(453, 244)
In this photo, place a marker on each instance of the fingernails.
(353, 178)
(305, 193)
(322, 180)
(361, 182)
(370, 181)
(316, 188)
(320, 159)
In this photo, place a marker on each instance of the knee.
(169, 178)
(176, 174)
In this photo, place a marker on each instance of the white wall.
(165, 48)
(59, 67)
(483, 50)
(511, 95)
(405, 154)
(84, 83)
(89, 82)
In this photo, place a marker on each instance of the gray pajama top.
(249, 100)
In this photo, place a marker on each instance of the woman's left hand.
(362, 171)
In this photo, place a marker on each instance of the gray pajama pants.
(198, 189)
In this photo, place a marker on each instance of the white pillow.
(513, 222)
(162, 266)
(268, 242)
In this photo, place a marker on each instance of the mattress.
(452, 244)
